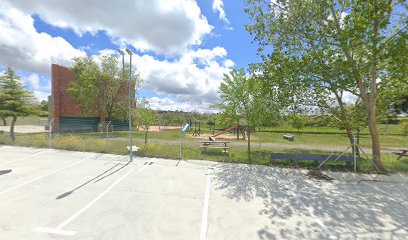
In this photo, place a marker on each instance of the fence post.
(50, 132)
(181, 132)
(107, 134)
(260, 144)
(354, 153)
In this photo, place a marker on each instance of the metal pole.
(354, 153)
(181, 132)
(124, 77)
(107, 134)
(260, 143)
(130, 105)
(130, 110)
(50, 131)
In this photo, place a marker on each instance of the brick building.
(66, 112)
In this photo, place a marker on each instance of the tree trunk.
(368, 99)
(249, 143)
(12, 124)
(147, 130)
(4, 121)
(375, 141)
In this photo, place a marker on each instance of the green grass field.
(165, 144)
(386, 129)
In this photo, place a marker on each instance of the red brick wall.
(62, 104)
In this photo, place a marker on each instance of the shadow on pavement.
(99, 177)
(2, 172)
(303, 208)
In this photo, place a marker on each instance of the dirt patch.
(24, 129)
(204, 136)
(159, 128)
(319, 175)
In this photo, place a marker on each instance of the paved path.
(24, 129)
(56, 194)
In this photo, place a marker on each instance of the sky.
(182, 47)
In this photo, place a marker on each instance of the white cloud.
(349, 98)
(41, 95)
(40, 85)
(106, 52)
(193, 79)
(172, 105)
(229, 63)
(189, 80)
(163, 26)
(218, 6)
(22, 47)
(32, 81)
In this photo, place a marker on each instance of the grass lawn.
(387, 141)
(165, 144)
(387, 129)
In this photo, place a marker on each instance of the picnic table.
(215, 145)
(401, 153)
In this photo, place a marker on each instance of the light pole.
(130, 96)
(130, 103)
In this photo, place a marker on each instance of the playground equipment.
(212, 138)
(196, 130)
(183, 129)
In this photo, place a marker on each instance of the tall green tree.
(103, 86)
(342, 45)
(144, 116)
(15, 101)
(242, 100)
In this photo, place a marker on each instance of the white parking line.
(204, 219)
(59, 231)
(29, 156)
(44, 175)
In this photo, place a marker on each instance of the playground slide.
(212, 138)
(185, 127)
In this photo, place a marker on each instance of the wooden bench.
(289, 137)
(215, 145)
(401, 153)
(319, 158)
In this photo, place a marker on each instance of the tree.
(42, 108)
(343, 45)
(15, 101)
(144, 116)
(102, 87)
(298, 121)
(242, 100)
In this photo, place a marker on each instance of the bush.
(404, 126)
